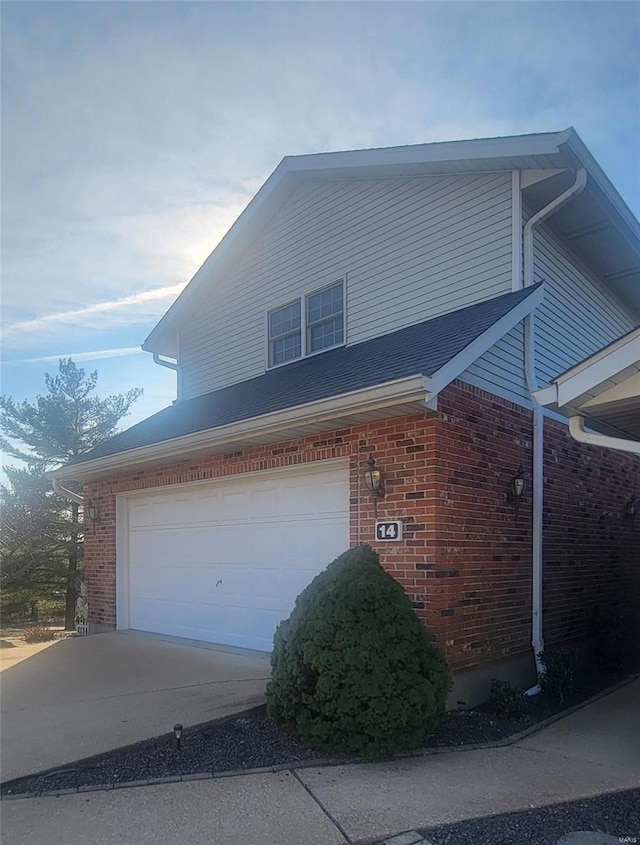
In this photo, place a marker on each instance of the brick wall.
(482, 572)
(465, 559)
(591, 551)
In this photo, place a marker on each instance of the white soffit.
(602, 371)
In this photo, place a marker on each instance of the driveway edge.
(323, 762)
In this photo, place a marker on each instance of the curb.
(321, 762)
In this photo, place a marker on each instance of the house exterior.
(405, 305)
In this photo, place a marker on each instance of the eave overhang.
(398, 398)
(603, 390)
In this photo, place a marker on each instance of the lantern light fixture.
(516, 488)
(92, 512)
(631, 509)
(373, 478)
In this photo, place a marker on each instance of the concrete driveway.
(590, 752)
(87, 695)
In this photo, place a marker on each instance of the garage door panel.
(228, 624)
(224, 563)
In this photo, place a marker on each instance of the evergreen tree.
(41, 531)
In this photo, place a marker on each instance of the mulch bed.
(252, 741)
(616, 814)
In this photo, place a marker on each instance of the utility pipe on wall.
(537, 639)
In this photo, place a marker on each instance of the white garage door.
(224, 562)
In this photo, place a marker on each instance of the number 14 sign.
(388, 531)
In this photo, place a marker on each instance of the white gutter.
(67, 494)
(577, 431)
(537, 639)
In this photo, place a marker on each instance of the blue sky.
(133, 134)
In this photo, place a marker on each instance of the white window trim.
(303, 323)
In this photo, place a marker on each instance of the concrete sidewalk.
(571, 759)
(79, 697)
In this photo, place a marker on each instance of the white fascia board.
(600, 368)
(460, 362)
(546, 395)
(440, 151)
(404, 390)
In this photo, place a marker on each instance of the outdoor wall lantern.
(373, 480)
(631, 509)
(516, 489)
(92, 512)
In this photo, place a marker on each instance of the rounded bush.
(353, 669)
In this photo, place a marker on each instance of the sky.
(134, 133)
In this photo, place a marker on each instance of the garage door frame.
(123, 500)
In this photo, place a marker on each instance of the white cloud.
(95, 355)
(114, 314)
(133, 134)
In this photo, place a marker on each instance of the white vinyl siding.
(578, 315)
(411, 249)
(501, 369)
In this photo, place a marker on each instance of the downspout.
(537, 639)
(66, 493)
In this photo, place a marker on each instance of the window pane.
(325, 303)
(284, 320)
(328, 333)
(285, 349)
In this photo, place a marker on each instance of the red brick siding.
(465, 561)
(482, 576)
(591, 551)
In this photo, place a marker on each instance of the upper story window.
(323, 328)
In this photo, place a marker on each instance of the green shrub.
(507, 699)
(559, 671)
(353, 669)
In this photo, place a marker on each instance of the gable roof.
(599, 214)
(430, 355)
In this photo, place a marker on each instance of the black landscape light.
(177, 732)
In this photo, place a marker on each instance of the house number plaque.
(388, 531)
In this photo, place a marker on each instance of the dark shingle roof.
(421, 349)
